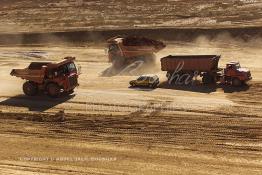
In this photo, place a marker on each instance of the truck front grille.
(248, 74)
(73, 80)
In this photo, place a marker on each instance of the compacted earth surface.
(71, 15)
(111, 128)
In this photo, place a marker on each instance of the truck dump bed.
(186, 63)
(136, 46)
(36, 71)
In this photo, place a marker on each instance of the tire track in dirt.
(252, 96)
(133, 109)
(196, 132)
(47, 169)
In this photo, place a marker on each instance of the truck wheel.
(53, 90)
(30, 89)
(182, 79)
(70, 92)
(236, 82)
(172, 79)
(208, 79)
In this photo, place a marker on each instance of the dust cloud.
(246, 49)
(11, 86)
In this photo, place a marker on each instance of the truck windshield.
(113, 48)
(67, 69)
(238, 66)
(71, 67)
(143, 78)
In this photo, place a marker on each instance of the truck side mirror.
(79, 70)
(106, 51)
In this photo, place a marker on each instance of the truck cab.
(236, 74)
(65, 76)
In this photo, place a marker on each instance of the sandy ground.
(110, 128)
(71, 15)
(113, 129)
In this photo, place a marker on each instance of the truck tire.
(132, 84)
(172, 78)
(183, 78)
(70, 92)
(208, 79)
(30, 88)
(236, 82)
(53, 90)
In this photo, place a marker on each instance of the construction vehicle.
(52, 78)
(130, 54)
(185, 67)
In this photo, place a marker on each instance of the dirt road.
(110, 128)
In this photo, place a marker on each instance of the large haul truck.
(206, 66)
(52, 78)
(129, 53)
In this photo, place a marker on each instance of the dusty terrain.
(110, 128)
(71, 15)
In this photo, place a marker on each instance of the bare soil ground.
(110, 128)
(71, 15)
(113, 129)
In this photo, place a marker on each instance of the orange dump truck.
(123, 51)
(52, 78)
(205, 66)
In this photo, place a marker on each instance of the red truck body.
(201, 63)
(131, 54)
(52, 78)
(206, 66)
(131, 47)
